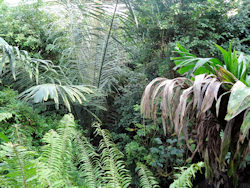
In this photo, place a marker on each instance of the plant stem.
(106, 44)
(21, 166)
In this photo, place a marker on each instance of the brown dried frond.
(179, 99)
(208, 136)
(164, 92)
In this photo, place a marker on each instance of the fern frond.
(5, 115)
(54, 167)
(17, 165)
(147, 180)
(116, 175)
(90, 167)
(49, 165)
(184, 179)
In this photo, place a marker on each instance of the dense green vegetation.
(154, 94)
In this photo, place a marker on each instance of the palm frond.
(18, 65)
(106, 44)
(90, 54)
(67, 94)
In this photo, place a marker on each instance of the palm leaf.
(26, 66)
(68, 93)
(232, 68)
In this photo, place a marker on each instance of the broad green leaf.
(225, 55)
(185, 69)
(3, 137)
(239, 100)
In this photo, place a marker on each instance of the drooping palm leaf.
(182, 101)
(67, 94)
(175, 105)
(21, 66)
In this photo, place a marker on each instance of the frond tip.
(147, 180)
(184, 179)
(116, 175)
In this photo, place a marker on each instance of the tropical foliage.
(72, 77)
(184, 178)
(184, 100)
(55, 165)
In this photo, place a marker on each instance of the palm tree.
(38, 80)
(90, 54)
(215, 97)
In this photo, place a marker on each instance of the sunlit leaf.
(239, 100)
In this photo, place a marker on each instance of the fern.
(90, 168)
(50, 163)
(5, 115)
(115, 174)
(17, 168)
(56, 162)
(65, 158)
(184, 179)
(147, 180)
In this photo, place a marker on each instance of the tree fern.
(147, 180)
(115, 174)
(184, 179)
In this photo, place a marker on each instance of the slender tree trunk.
(106, 44)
